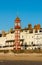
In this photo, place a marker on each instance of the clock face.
(17, 24)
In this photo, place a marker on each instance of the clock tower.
(17, 33)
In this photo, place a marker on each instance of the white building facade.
(27, 40)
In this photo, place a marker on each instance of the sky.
(29, 12)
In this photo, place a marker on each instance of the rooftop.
(17, 19)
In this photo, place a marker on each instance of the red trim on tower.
(17, 34)
(17, 27)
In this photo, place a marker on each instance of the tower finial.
(17, 14)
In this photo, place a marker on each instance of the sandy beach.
(28, 57)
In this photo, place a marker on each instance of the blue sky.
(29, 11)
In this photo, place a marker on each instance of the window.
(32, 43)
(22, 36)
(25, 30)
(18, 31)
(36, 31)
(30, 31)
(40, 31)
(32, 36)
(0, 35)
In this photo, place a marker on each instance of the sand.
(28, 57)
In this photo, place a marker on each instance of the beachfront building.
(27, 38)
